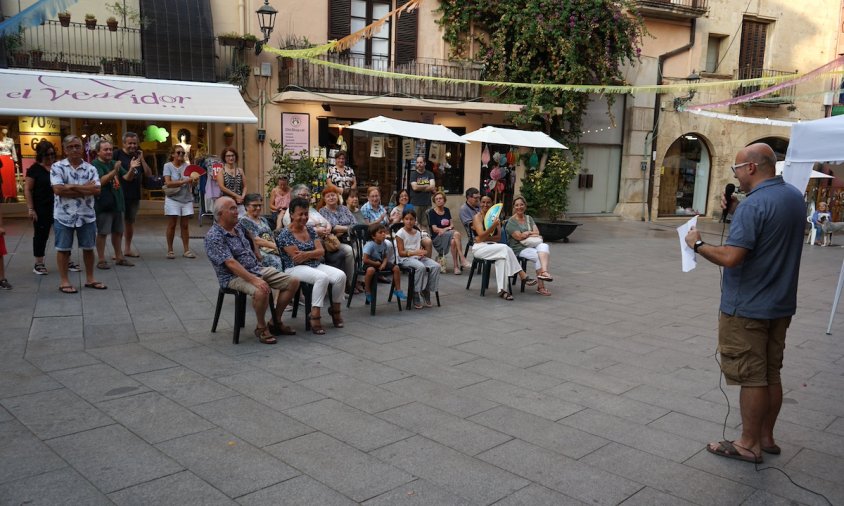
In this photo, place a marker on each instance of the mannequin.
(8, 165)
(184, 141)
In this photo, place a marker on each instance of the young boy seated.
(375, 258)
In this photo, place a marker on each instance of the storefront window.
(684, 183)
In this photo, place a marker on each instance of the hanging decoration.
(485, 156)
(533, 162)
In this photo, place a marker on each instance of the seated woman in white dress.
(301, 255)
(488, 246)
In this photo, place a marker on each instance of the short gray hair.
(218, 206)
(100, 142)
(70, 138)
(299, 187)
(129, 134)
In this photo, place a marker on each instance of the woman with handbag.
(341, 220)
(488, 246)
(262, 234)
(301, 255)
(523, 236)
(178, 200)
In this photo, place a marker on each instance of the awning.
(27, 93)
(412, 129)
(513, 137)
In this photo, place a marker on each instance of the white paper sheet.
(687, 253)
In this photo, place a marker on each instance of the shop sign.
(34, 129)
(295, 132)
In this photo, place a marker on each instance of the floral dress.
(286, 238)
(262, 229)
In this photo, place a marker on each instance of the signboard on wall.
(35, 128)
(295, 131)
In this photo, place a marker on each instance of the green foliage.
(546, 41)
(127, 13)
(546, 190)
(299, 167)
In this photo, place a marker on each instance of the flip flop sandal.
(530, 282)
(543, 291)
(68, 289)
(103, 265)
(773, 450)
(96, 285)
(281, 330)
(189, 254)
(504, 294)
(544, 276)
(728, 450)
(264, 336)
(124, 263)
(133, 255)
(171, 255)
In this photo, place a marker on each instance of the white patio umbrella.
(513, 137)
(814, 175)
(410, 129)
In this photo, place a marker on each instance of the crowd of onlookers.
(323, 244)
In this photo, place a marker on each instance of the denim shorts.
(86, 236)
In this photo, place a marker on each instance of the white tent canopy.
(814, 175)
(812, 141)
(513, 137)
(413, 130)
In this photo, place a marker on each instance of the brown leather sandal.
(336, 319)
(264, 336)
(316, 325)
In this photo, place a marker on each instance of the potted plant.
(298, 167)
(230, 39)
(239, 74)
(546, 191)
(90, 21)
(249, 40)
(64, 18)
(112, 24)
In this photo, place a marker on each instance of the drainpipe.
(661, 61)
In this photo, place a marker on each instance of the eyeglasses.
(73, 146)
(739, 165)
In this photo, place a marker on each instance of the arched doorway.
(684, 180)
(778, 144)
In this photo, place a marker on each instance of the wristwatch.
(698, 244)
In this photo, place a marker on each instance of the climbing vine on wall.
(546, 41)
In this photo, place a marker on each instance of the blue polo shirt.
(769, 223)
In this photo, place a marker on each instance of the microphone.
(728, 196)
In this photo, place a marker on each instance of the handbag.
(532, 241)
(171, 191)
(331, 243)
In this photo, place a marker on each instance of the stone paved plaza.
(604, 393)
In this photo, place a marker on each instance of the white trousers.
(424, 280)
(532, 255)
(321, 277)
(506, 263)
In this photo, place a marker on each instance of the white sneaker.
(442, 264)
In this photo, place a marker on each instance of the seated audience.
(412, 254)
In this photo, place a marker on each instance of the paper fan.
(492, 214)
(194, 169)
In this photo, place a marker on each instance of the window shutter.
(339, 19)
(178, 41)
(406, 29)
(752, 54)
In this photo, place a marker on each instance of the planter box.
(90, 69)
(554, 231)
(50, 65)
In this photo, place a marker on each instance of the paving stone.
(271, 390)
(821, 465)
(419, 492)
(339, 466)
(361, 368)
(763, 498)
(543, 405)
(108, 334)
(55, 413)
(837, 427)
(682, 403)
(632, 434)
(132, 358)
(300, 490)
(571, 477)
(638, 375)
(689, 427)
(60, 487)
(22, 378)
(456, 433)
(154, 417)
(184, 489)
(455, 472)
(510, 374)
(59, 361)
(184, 386)
(229, 464)
(207, 362)
(251, 421)
(540, 431)
(22, 454)
(824, 442)
(569, 353)
(363, 396)
(630, 409)
(650, 497)
(292, 368)
(439, 396)
(369, 350)
(99, 382)
(665, 475)
(537, 495)
(430, 351)
(516, 357)
(429, 369)
(349, 425)
(112, 458)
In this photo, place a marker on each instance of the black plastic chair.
(360, 234)
(411, 273)
(306, 290)
(239, 311)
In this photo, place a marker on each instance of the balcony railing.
(779, 97)
(673, 9)
(76, 48)
(308, 76)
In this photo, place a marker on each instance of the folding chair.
(360, 234)
(239, 311)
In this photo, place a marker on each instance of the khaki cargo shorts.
(751, 350)
(275, 278)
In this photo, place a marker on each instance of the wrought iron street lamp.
(266, 20)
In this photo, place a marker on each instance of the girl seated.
(412, 254)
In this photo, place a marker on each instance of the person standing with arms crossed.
(422, 188)
(761, 261)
